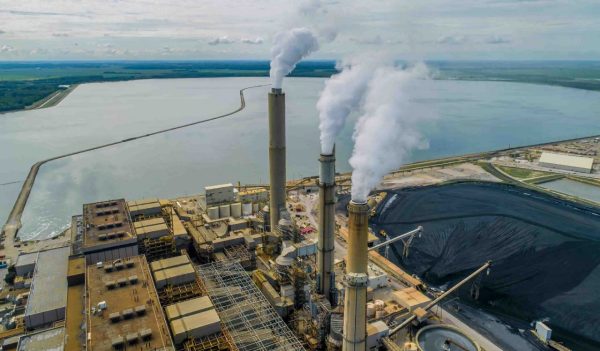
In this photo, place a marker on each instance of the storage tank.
(236, 210)
(247, 209)
(379, 313)
(224, 211)
(213, 213)
(379, 305)
(443, 338)
(254, 208)
(370, 310)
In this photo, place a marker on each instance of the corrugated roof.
(188, 307)
(218, 186)
(50, 276)
(169, 262)
(567, 160)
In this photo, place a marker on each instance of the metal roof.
(49, 286)
(567, 160)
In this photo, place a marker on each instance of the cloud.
(376, 40)
(60, 35)
(256, 41)
(452, 40)
(497, 40)
(2, 32)
(221, 40)
(6, 48)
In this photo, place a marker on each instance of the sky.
(244, 29)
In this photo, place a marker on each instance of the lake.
(465, 116)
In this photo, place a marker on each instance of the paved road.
(13, 222)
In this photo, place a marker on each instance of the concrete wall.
(44, 318)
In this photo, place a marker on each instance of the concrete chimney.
(355, 300)
(276, 155)
(326, 242)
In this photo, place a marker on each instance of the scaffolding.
(158, 248)
(215, 342)
(245, 312)
(173, 294)
(241, 254)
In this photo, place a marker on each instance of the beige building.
(566, 162)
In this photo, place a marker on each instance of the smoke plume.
(343, 93)
(288, 49)
(387, 130)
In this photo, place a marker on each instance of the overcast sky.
(232, 29)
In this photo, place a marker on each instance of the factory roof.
(50, 275)
(26, 259)
(409, 297)
(76, 266)
(169, 262)
(188, 307)
(178, 228)
(567, 160)
(129, 303)
(218, 186)
(106, 223)
(49, 339)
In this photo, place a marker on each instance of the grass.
(522, 173)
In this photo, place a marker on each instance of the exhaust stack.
(355, 300)
(276, 155)
(326, 243)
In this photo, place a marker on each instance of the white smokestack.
(387, 130)
(343, 93)
(288, 49)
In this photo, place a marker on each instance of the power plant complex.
(279, 266)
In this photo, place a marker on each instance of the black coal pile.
(545, 251)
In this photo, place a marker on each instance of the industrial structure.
(326, 241)
(234, 268)
(566, 162)
(277, 166)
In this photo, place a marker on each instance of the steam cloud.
(289, 48)
(387, 130)
(343, 93)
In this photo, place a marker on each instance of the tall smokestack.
(326, 242)
(355, 300)
(276, 154)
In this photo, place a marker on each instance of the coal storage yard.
(545, 251)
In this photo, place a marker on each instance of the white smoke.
(387, 130)
(288, 49)
(343, 93)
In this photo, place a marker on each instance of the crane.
(409, 236)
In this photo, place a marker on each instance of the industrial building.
(145, 208)
(122, 307)
(108, 233)
(25, 264)
(48, 293)
(49, 339)
(566, 162)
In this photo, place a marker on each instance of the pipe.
(326, 242)
(399, 237)
(276, 155)
(355, 301)
(485, 266)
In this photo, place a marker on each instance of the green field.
(22, 84)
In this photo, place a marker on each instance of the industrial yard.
(294, 265)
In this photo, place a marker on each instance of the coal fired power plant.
(276, 155)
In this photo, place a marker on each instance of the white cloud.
(452, 39)
(221, 40)
(6, 48)
(495, 39)
(375, 40)
(255, 41)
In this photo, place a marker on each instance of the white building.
(219, 194)
(566, 162)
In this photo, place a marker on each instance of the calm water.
(575, 188)
(469, 117)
